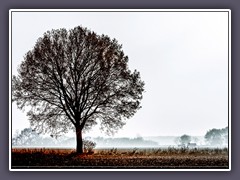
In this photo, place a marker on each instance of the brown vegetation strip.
(47, 158)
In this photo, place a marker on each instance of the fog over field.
(182, 57)
(216, 138)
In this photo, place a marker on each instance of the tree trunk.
(79, 148)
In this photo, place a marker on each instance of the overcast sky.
(182, 57)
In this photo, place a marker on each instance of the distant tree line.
(28, 137)
(216, 137)
(213, 137)
(121, 142)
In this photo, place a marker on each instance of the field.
(170, 158)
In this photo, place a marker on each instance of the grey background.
(164, 4)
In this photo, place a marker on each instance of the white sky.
(182, 57)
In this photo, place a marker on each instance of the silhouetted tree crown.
(185, 139)
(217, 137)
(73, 80)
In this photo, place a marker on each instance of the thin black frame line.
(122, 167)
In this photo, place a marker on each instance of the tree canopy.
(217, 137)
(74, 79)
(27, 137)
(184, 139)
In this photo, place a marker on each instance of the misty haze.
(214, 138)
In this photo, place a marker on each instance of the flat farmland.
(170, 158)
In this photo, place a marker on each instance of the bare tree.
(75, 79)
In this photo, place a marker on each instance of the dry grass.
(121, 158)
(43, 151)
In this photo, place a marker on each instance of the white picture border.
(119, 10)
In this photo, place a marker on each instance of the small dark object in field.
(88, 146)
